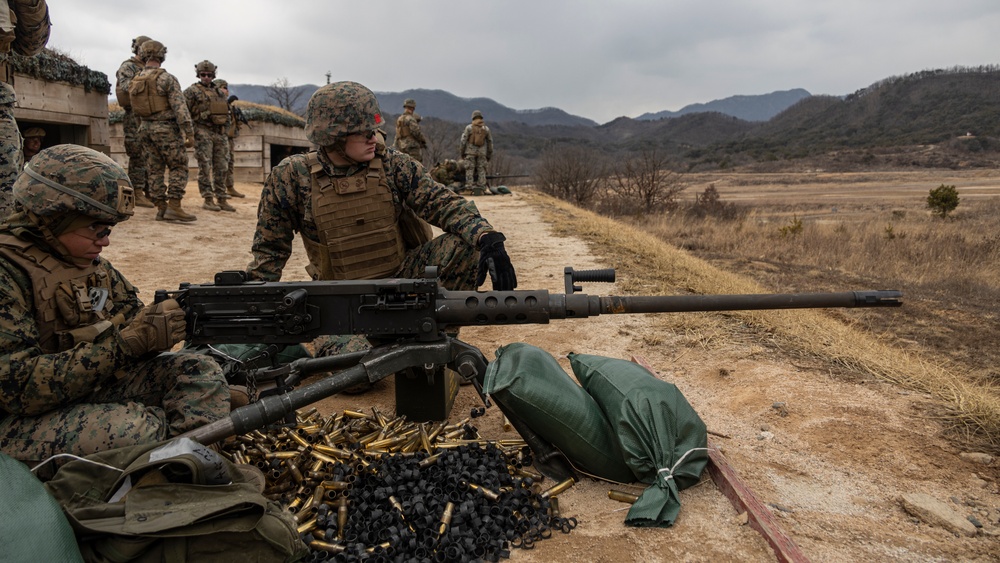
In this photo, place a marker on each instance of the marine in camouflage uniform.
(210, 112)
(26, 33)
(83, 364)
(450, 172)
(477, 156)
(129, 69)
(232, 127)
(409, 138)
(164, 134)
(378, 192)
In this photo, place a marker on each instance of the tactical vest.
(145, 98)
(402, 127)
(356, 220)
(71, 303)
(219, 111)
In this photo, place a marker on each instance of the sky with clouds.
(595, 59)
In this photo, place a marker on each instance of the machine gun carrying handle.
(571, 276)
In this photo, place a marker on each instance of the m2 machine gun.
(408, 322)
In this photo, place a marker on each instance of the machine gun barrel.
(465, 308)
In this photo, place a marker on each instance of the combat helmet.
(340, 109)
(33, 132)
(73, 179)
(205, 66)
(476, 114)
(410, 103)
(137, 42)
(152, 49)
(220, 83)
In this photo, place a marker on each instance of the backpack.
(172, 501)
(142, 94)
(478, 135)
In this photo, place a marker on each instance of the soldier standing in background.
(26, 33)
(83, 375)
(477, 150)
(128, 70)
(409, 138)
(232, 131)
(166, 130)
(210, 113)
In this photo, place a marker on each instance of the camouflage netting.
(252, 111)
(56, 67)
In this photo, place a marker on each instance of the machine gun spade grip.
(571, 276)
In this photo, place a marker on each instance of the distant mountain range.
(748, 108)
(449, 107)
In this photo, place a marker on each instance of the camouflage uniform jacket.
(199, 100)
(408, 133)
(467, 148)
(286, 207)
(128, 70)
(32, 381)
(168, 85)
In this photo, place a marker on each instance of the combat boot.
(231, 192)
(175, 213)
(224, 205)
(161, 208)
(141, 200)
(210, 205)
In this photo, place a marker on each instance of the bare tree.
(283, 94)
(642, 183)
(442, 140)
(572, 173)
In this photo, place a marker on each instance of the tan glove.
(156, 328)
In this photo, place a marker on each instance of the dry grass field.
(829, 416)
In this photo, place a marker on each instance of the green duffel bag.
(530, 382)
(172, 501)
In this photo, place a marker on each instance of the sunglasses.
(367, 134)
(96, 231)
(208, 74)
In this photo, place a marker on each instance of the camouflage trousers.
(475, 170)
(11, 157)
(211, 148)
(164, 147)
(231, 159)
(136, 155)
(457, 268)
(164, 396)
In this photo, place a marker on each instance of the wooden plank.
(58, 97)
(247, 160)
(289, 141)
(99, 132)
(248, 143)
(743, 499)
(27, 114)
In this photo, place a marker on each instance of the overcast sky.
(599, 60)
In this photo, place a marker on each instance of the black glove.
(493, 259)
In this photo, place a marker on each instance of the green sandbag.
(530, 382)
(32, 524)
(662, 438)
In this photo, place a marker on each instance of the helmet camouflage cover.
(340, 109)
(152, 49)
(205, 66)
(409, 103)
(137, 42)
(33, 132)
(476, 114)
(220, 83)
(75, 179)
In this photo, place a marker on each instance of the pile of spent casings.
(363, 487)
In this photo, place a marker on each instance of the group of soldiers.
(161, 121)
(475, 149)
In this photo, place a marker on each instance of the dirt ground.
(829, 455)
